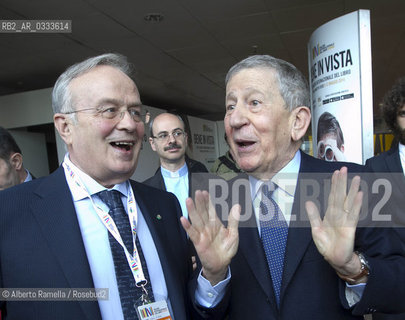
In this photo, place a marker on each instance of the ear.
(301, 117)
(185, 139)
(152, 143)
(63, 123)
(16, 161)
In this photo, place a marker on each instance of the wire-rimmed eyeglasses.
(116, 113)
(164, 136)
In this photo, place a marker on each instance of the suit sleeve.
(385, 289)
(2, 303)
(385, 252)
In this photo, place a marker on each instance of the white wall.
(33, 148)
(26, 109)
(23, 110)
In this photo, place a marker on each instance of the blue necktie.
(274, 231)
(127, 288)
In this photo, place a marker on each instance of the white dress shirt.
(401, 149)
(177, 182)
(97, 246)
(29, 176)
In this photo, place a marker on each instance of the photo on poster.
(341, 88)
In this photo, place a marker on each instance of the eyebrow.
(230, 95)
(176, 129)
(247, 91)
(117, 102)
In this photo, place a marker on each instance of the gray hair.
(61, 95)
(292, 84)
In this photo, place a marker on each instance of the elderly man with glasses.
(86, 241)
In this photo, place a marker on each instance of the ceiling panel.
(378, 8)
(294, 4)
(174, 31)
(296, 44)
(224, 9)
(242, 27)
(262, 44)
(48, 9)
(307, 16)
(181, 62)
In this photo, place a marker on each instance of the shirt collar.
(285, 179)
(91, 185)
(29, 176)
(401, 148)
(176, 174)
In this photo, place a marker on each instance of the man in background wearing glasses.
(87, 225)
(169, 140)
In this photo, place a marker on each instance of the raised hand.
(334, 235)
(215, 244)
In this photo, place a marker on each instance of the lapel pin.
(159, 217)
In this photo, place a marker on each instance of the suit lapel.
(299, 237)
(150, 210)
(57, 220)
(161, 181)
(251, 248)
(250, 244)
(393, 162)
(299, 232)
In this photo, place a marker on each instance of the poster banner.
(203, 146)
(339, 59)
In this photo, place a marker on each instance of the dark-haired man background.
(12, 171)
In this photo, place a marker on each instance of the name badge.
(154, 311)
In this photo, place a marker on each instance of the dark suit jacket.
(386, 162)
(390, 162)
(193, 166)
(388, 166)
(41, 247)
(311, 290)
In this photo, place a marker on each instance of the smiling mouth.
(123, 145)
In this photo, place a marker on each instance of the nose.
(126, 122)
(171, 137)
(238, 117)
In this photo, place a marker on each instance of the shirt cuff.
(209, 296)
(354, 292)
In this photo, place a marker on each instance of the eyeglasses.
(401, 113)
(115, 113)
(164, 136)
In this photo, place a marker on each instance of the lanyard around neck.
(133, 260)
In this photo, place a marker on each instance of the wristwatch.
(364, 270)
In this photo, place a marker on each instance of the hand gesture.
(215, 244)
(334, 235)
